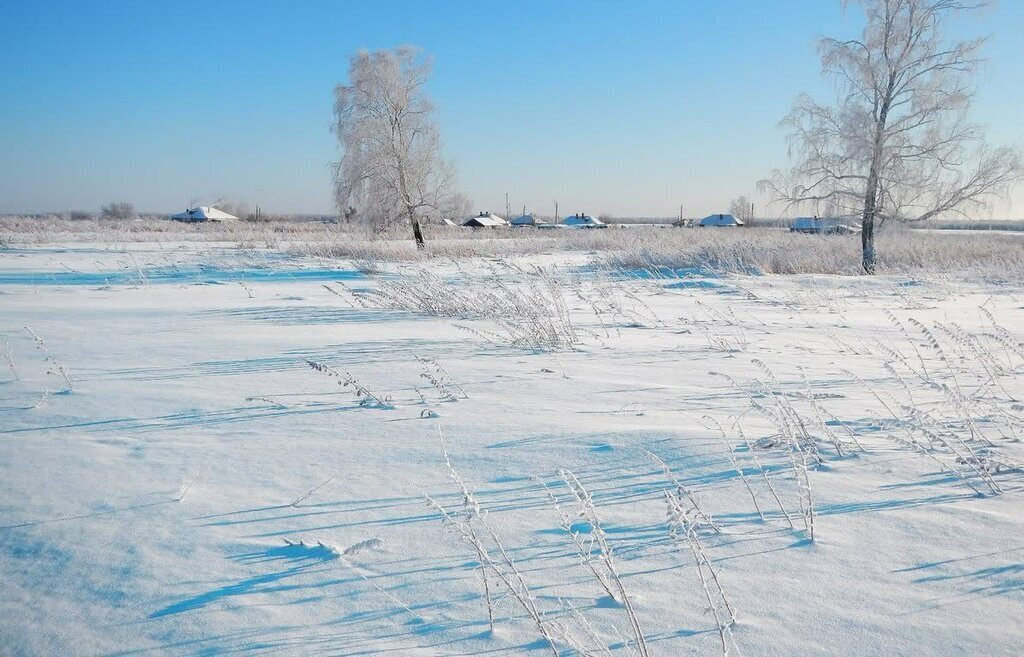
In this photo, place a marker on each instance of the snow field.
(202, 490)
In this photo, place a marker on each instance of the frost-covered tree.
(391, 168)
(240, 209)
(456, 208)
(896, 143)
(122, 210)
(742, 208)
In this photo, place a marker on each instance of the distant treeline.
(81, 215)
(964, 224)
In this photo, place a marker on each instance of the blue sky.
(628, 108)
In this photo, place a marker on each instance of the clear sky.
(628, 108)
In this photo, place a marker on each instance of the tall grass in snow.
(526, 308)
(761, 251)
(472, 516)
(588, 512)
(752, 250)
(472, 525)
(683, 528)
(493, 559)
(976, 417)
(682, 491)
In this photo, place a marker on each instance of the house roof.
(524, 220)
(485, 219)
(810, 221)
(582, 220)
(721, 220)
(203, 213)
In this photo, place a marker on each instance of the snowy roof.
(582, 220)
(832, 225)
(721, 220)
(813, 221)
(485, 219)
(203, 213)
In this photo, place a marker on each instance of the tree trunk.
(417, 233)
(867, 224)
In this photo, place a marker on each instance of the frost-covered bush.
(120, 210)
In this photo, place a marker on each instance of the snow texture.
(195, 487)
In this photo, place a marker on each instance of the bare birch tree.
(742, 208)
(391, 167)
(896, 144)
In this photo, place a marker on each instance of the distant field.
(759, 249)
(1004, 225)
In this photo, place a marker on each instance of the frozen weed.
(440, 379)
(682, 527)
(313, 490)
(8, 355)
(365, 396)
(587, 511)
(53, 367)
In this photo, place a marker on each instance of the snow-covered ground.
(199, 488)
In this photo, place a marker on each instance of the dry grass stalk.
(365, 396)
(588, 511)
(54, 367)
(682, 527)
